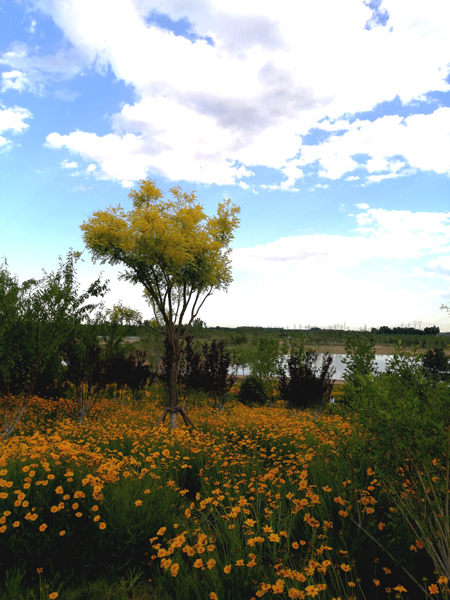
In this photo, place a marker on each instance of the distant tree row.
(406, 330)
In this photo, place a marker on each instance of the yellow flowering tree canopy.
(170, 246)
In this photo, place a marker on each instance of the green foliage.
(359, 359)
(263, 362)
(407, 417)
(174, 250)
(304, 384)
(40, 315)
(435, 365)
(206, 373)
(252, 391)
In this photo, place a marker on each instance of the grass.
(254, 502)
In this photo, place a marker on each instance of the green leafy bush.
(252, 391)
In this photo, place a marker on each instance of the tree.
(359, 359)
(174, 250)
(306, 384)
(36, 318)
(263, 362)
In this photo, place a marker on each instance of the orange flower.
(376, 582)
(138, 503)
(213, 596)
(227, 569)
(400, 589)
(43, 527)
(278, 587)
(102, 526)
(433, 589)
(345, 567)
(442, 580)
(198, 563)
(311, 590)
(210, 563)
(174, 569)
(53, 595)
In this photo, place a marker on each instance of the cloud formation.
(12, 120)
(246, 82)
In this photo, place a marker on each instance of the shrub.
(306, 385)
(252, 391)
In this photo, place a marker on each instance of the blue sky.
(327, 122)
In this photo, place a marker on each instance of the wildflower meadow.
(253, 502)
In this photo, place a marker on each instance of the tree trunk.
(173, 388)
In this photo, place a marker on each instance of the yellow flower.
(62, 533)
(274, 537)
(295, 545)
(102, 525)
(278, 587)
(43, 527)
(433, 589)
(198, 563)
(311, 590)
(227, 569)
(138, 503)
(174, 569)
(213, 596)
(16, 524)
(161, 531)
(53, 595)
(442, 580)
(345, 567)
(211, 563)
(400, 589)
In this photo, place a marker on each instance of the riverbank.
(379, 349)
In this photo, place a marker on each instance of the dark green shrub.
(252, 391)
(304, 384)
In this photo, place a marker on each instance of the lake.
(380, 360)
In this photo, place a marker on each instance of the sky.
(327, 122)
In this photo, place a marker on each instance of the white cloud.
(69, 165)
(440, 265)
(423, 141)
(31, 71)
(306, 271)
(12, 120)
(210, 112)
(362, 206)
